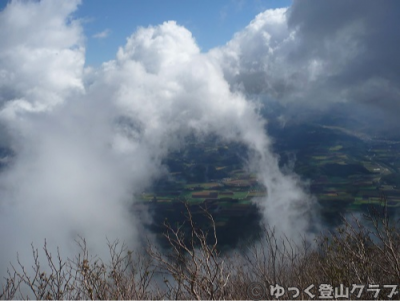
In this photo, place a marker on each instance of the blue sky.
(211, 22)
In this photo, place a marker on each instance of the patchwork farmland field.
(345, 173)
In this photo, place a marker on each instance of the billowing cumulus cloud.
(255, 61)
(168, 89)
(53, 184)
(85, 141)
(41, 55)
(317, 53)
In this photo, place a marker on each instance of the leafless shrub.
(197, 270)
(361, 252)
(358, 252)
(126, 276)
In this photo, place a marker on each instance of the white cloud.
(102, 34)
(256, 60)
(41, 56)
(86, 140)
(58, 171)
(318, 54)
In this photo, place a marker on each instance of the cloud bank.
(318, 53)
(86, 140)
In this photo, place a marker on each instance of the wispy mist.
(86, 140)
